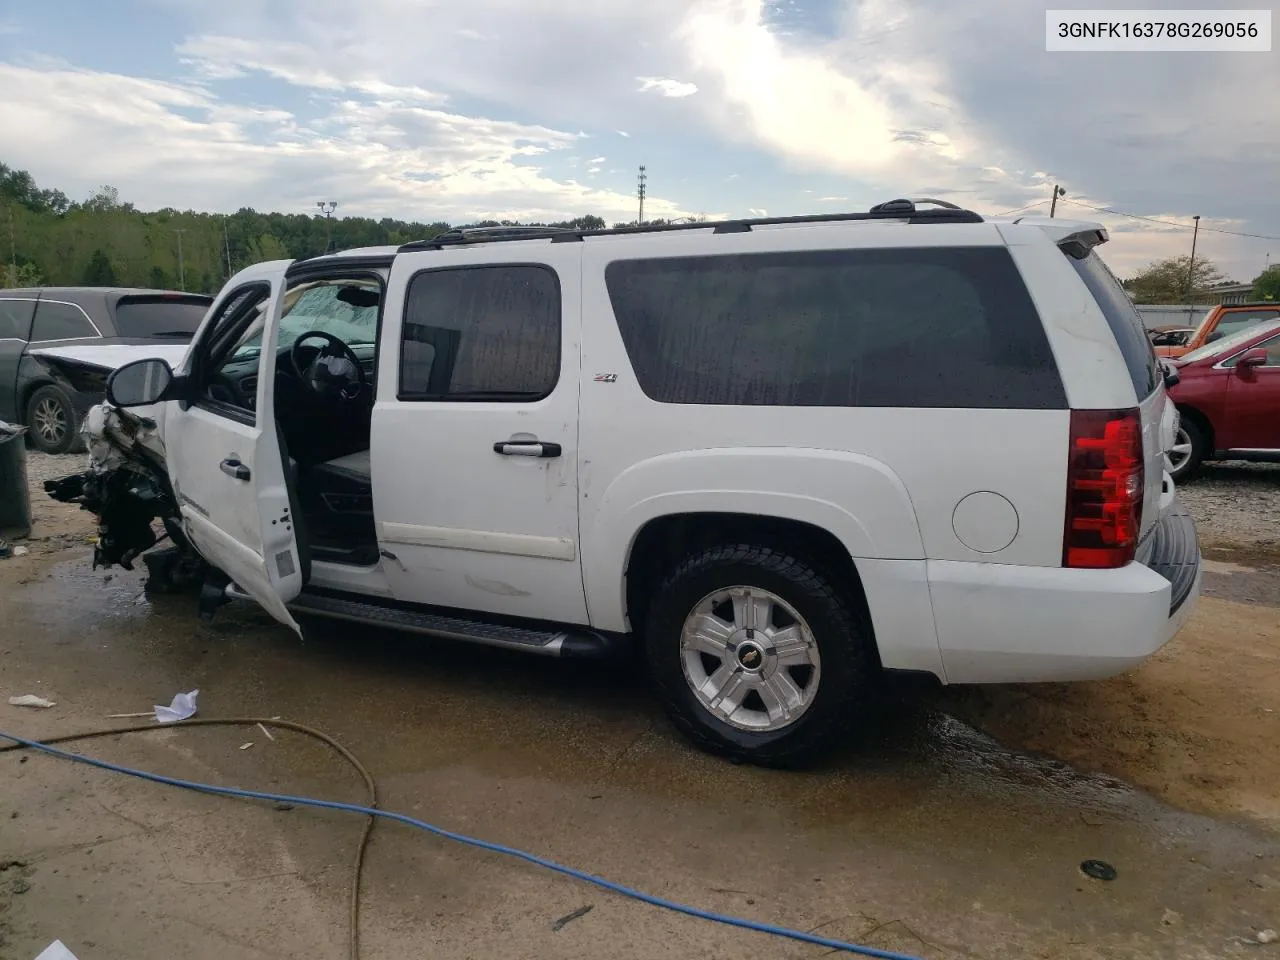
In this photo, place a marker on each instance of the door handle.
(234, 468)
(526, 448)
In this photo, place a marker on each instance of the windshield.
(168, 317)
(1227, 345)
(347, 309)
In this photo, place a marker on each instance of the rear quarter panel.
(886, 481)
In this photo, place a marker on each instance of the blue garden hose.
(600, 882)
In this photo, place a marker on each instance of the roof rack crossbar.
(890, 210)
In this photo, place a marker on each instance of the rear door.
(15, 331)
(226, 461)
(475, 430)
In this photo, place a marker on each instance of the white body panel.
(460, 525)
(953, 517)
(242, 527)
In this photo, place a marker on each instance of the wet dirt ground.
(948, 830)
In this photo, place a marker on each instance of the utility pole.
(1191, 265)
(226, 245)
(1053, 204)
(182, 269)
(327, 207)
(640, 182)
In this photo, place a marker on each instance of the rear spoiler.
(1078, 245)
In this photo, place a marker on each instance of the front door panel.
(1253, 404)
(226, 463)
(475, 432)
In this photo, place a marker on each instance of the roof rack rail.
(889, 210)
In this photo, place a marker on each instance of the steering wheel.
(334, 371)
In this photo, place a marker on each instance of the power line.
(1169, 223)
(1037, 203)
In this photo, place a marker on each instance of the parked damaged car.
(58, 344)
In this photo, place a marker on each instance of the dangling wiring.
(372, 812)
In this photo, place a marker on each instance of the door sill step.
(548, 641)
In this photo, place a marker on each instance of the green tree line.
(46, 239)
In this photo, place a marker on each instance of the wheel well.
(663, 541)
(1202, 422)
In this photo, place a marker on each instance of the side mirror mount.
(1171, 377)
(140, 383)
(1253, 357)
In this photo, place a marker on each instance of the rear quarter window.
(918, 327)
(1124, 320)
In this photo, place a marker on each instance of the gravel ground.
(1232, 502)
(44, 466)
(1236, 503)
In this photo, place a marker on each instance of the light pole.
(327, 207)
(640, 182)
(1191, 264)
(1053, 204)
(182, 270)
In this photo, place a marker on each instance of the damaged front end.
(126, 487)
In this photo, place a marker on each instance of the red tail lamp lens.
(1105, 480)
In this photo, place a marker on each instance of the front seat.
(337, 497)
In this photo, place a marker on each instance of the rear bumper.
(1013, 624)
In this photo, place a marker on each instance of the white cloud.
(596, 160)
(171, 144)
(757, 212)
(667, 87)
(832, 199)
(622, 133)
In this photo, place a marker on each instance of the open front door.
(223, 451)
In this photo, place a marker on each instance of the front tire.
(1189, 449)
(51, 420)
(758, 656)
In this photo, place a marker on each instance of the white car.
(782, 455)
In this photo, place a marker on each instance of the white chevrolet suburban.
(780, 455)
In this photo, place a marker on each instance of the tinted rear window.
(1124, 320)
(160, 317)
(942, 327)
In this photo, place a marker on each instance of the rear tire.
(51, 421)
(1190, 447)
(758, 656)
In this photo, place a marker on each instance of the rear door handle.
(526, 448)
(234, 468)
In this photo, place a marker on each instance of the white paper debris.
(266, 732)
(31, 700)
(1267, 936)
(246, 746)
(56, 951)
(182, 708)
(20, 551)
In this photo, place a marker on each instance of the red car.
(1228, 395)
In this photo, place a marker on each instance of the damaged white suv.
(781, 455)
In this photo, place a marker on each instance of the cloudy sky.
(462, 109)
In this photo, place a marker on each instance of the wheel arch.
(1193, 413)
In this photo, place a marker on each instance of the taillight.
(1105, 481)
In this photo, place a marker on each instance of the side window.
(481, 333)
(1273, 351)
(61, 321)
(15, 319)
(225, 367)
(1124, 320)
(919, 327)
